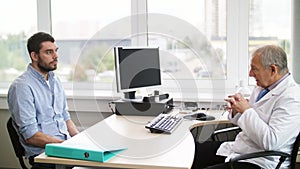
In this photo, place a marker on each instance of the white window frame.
(44, 15)
(237, 40)
(237, 48)
(237, 53)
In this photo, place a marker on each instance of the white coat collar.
(281, 87)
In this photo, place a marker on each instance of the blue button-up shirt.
(36, 106)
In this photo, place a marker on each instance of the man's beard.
(45, 69)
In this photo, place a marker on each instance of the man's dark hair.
(34, 42)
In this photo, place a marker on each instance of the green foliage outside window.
(13, 60)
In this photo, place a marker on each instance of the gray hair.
(273, 55)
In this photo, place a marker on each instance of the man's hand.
(71, 128)
(237, 103)
(40, 139)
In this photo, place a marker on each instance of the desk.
(145, 149)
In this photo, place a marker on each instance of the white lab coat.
(272, 123)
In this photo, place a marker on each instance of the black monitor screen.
(137, 67)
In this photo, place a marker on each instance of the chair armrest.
(282, 155)
(229, 129)
(225, 130)
(260, 154)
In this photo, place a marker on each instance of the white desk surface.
(144, 149)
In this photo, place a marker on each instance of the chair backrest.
(14, 138)
(295, 152)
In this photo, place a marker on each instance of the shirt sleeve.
(21, 106)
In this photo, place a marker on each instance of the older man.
(269, 120)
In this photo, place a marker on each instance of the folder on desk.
(81, 152)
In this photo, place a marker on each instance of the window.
(193, 38)
(192, 35)
(81, 32)
(205, 44)
(18, 21)
(270, 25)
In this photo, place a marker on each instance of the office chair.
(14, 138)
(282, 155)
(225, 134)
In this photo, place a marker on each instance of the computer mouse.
(200, 116)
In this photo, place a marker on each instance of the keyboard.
(164, 123)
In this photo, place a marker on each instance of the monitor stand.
(140, 108)
(129, 95)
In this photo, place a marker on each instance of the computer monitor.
(136, 67)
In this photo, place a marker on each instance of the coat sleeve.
(280, 127)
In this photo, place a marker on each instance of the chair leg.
(21, 161)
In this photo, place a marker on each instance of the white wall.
(7, 156)
(296, 39)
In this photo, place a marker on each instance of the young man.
(37, 101)
(269, 121)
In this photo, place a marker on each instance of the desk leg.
(58, 166)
